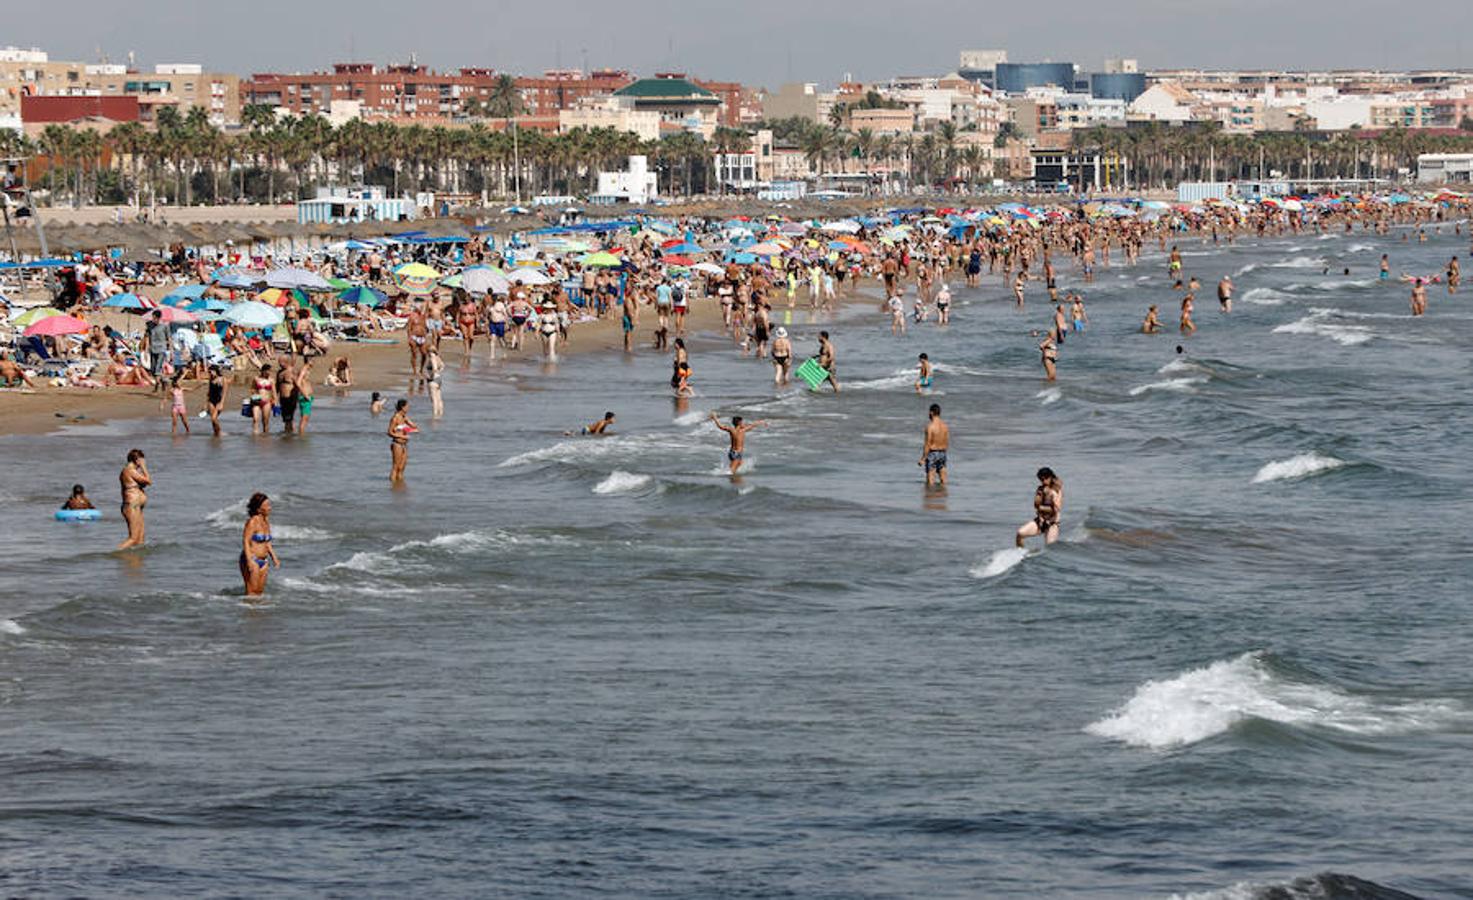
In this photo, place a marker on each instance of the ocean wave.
(901, 378)
(1202, 703)
(10, 626)
(234, 516)
(1315, 324)
(1262, 296)
(1002, 562)
(409, 556)
(1301, 466)
(1050, 395)
(1300, 262)
(621, 482)
(1360, 248)
(1324, 886)
(1170, 384)
(1246, 269)
(602, 448)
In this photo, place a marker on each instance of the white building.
(1441, 168)
(355, 204)
(1165, 101)
(609, 114)
(638, 185)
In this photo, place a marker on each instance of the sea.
(567, 666)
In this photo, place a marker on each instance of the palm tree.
(505, 101)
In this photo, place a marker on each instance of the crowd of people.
(652, 291)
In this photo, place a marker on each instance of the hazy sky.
(768, 42)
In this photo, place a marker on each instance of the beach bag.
(245, 409)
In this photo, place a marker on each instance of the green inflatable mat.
(812, 374)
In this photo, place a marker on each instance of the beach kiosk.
(339, 205)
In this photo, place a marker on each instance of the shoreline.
(376, 367)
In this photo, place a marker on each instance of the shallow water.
(556, 665)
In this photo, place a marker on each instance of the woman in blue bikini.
(257, 554)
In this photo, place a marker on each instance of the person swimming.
(78, 499)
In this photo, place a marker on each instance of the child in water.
(78, 499)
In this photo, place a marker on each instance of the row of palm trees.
(186, 159)
(1159, 156)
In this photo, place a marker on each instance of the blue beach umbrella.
(362, 296)
(131, 302)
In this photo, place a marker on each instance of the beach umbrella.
(289, 277)
(766, 248)
(681, 261)
(210, 305)
(192, 291)
(529, 277)
(238, 282)
(253, 315)
(684, 247)
(32, 316)
(278, 297)
(51, 326)
(601, 259)
(485, 280)
(741, 259)
(708, 268)
(173, 314)
(362, 296)
(130, 302)
(416, 271)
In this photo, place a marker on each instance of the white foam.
(694, 417)
(10, 626)
(1246, 269)
(1179, 364)
(1001, 562)
(1050, 395)
(1300, 262)
(1315, 324)
(903, 378)
(1201, 703)
(620, 482)
(234, 516)
(400, 556)
(1360, 248)
(583, 450)
(1170, 384)
(1262, 296)
(1300, 466)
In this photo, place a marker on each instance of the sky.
(766, 43)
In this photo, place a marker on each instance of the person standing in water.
(737, 431)
(782, 357)
(257, 553)
(923, 374)
(434, 375)
(304, 395)
(215, 397)
(1152, 323)
(827, 358)
(1048, 504)
(400, 428)
(135, 481)
(1049, 356)
(933, 450)
(1225, 294)
(1187, 325)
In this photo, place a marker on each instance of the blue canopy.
(38, 264)
(210, 305)
(362, 296)
(126, 301)
(741, 259)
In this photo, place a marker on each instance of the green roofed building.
(682, 104)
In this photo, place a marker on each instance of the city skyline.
(770, 44)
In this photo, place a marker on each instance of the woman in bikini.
(263, 395)
(400, 428)
(256, 553)
(1048, 504)
(134, 480)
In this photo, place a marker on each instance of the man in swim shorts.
(737, 430)
(933, 451)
